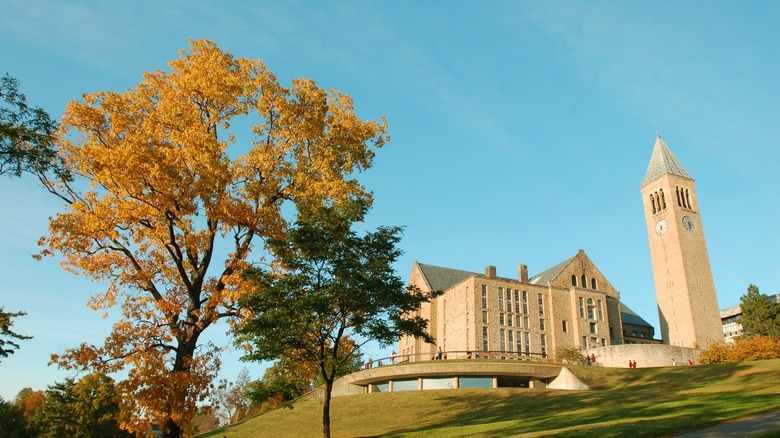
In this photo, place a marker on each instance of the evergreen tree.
(760, 314)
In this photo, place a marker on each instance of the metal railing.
(457, 355)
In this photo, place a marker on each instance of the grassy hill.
(638, 403)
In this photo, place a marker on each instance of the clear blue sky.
(521, 130)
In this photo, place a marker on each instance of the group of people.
(632, 364)
(439, 355)
(591, 359)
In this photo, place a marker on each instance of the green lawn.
(624, 402)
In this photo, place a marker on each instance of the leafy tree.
(330, 286)
(283, 381)
(12, 422)
(29, 402)
(174, 206)
(205, 420)
(760, 314)
(26, 134)
(230, 399)
(7, 346)
(88, 408)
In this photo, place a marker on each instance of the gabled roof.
(548, 275)
(630, 317)
(443, 278)
(662, 162)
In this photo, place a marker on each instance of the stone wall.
(645, 355)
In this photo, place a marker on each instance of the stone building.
(571, 305)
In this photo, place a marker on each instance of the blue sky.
(521, 130)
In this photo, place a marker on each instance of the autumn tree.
(7, 336)
(760, 314)
(331, 286)
(174, 202)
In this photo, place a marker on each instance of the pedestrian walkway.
(740, 429)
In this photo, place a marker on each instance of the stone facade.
(569, 305)
(685, 291)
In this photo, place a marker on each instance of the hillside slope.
(639, 403)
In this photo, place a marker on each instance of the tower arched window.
(663, 200)
(677, 190)
(688, 199)
(573, 280)
(583, 282)
(591, 310)
(652, 202)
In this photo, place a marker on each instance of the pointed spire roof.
(662, 162)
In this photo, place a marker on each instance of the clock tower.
(687, 304)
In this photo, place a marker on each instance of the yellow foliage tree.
(169, 188)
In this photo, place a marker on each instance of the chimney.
(522, 272)
(490, 272)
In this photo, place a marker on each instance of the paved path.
(740, 429)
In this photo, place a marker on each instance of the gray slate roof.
(443, 278)
(662, 162)
(630, 317)
(545, 276)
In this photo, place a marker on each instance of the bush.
(745, 349)
(570, 355)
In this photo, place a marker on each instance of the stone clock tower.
(687, 304)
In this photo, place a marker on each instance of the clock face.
(688, 223)
(661, 227)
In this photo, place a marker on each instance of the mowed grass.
(653, 402)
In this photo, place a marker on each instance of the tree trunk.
(183, 364)
(171, 429)
(326, 409)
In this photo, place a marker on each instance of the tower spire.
(663, 161)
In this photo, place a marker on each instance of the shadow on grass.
(644, 402)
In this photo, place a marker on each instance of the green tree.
(760, 314)
(26, 136)
(283, 381)
(330, 286)
(12, 421)
(7, 346)
(88, 408)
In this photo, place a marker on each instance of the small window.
(593, 328)
(541, 324)
(591, 310)
(564, 326)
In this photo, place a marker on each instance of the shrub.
(745, 349)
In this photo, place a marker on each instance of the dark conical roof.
(662, 162)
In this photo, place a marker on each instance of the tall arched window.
(573, 280)
(677, 190)
(663, 200)
(591, 310)
(593, 283)
(652, 202)
(583, 282)
(688, 199)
